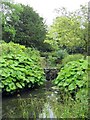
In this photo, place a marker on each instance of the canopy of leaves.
(69, 30)
(10, 16)
(21, 24)
(30, 28)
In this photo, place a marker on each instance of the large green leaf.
(80, 83)
(32, 79)
(71, 87)
(12, 86)
(18, 85)
(8, 89)
(65, 84)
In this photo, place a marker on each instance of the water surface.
(40, 102)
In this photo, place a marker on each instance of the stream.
(37, 103)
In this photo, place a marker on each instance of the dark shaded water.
(43, 102)
(37, 103)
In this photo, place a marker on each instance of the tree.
(30, 29)
(10, 16)
(69, 30)
(21, 24)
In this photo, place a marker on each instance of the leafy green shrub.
(72, 76)
(61, 54)
(73, 57)
(19, 68)
(56, 57)
(51, 61)
(11, 48)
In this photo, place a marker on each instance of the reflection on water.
(47, 112)
(31, 104)
(44, 102)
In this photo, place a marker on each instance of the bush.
(61, 54)
(73, 57)
(72, 76)
(19, 68)
(51, 61)
(56, 57)
(11, 48)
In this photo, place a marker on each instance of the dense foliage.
(19, 68)
(22, 67)
(55, 57)
(30, 28)
(69, 31)
(10, 16)
(73, 57)
(73, 76)
(71, 108)
(21, 24)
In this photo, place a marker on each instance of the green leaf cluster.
(55, 57)
(20, 69)
(73, 76)
(73, 57)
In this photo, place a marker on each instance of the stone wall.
(51, 74)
